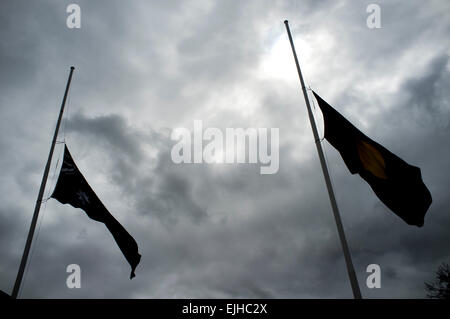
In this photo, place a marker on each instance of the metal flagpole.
(40, 195)
(337, 217)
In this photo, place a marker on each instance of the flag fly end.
(72, 188)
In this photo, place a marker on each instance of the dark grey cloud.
(220, 230)
(428, 93)
(111, 129)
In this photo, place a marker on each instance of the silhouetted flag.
(396, 183)
(71, 188)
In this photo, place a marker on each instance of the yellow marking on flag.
(372, 160)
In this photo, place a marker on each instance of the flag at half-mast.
(396, 183)
(73, 189)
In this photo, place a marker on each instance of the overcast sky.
(144, 68)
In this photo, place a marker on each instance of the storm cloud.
(145, 68)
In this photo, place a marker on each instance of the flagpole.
(337, 217)
(26, 251)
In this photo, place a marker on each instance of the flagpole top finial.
(285, 21)
(72, 67)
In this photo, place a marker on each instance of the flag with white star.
(73, 189)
